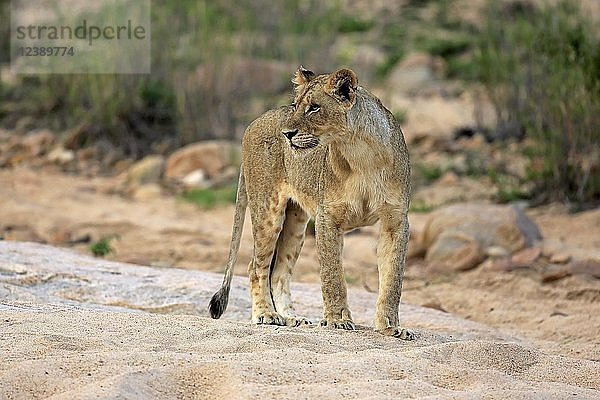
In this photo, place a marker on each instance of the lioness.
(337, 155)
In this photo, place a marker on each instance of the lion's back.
(262, 147)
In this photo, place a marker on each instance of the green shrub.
(444, 47)
(509, 194)
(542, 71)
(102, 247)
(461, 68)
(350, 24)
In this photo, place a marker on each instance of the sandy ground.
(76, 327)
(560, 318)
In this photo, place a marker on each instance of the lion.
(336, 155)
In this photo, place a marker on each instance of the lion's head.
(320, 107)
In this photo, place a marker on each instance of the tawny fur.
(336, 155)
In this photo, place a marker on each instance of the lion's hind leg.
(287, 251)
(267, 218)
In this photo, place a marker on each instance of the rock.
(212, 157)
(454, 251)
(61, 156)
(195, 180)
(496, 252)
(560, 258)
(526, 257)
(38, 143)
(497, 265)
(586, 267)
(148, 170)
(457, 236)
(78, 327)
(465, 189)
(147, 191)
(553, 273)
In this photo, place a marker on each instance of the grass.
(212, 197)
(102, 247)
(444, 47)
(419, 206)
(401, 116)
(541, 69)
(383, 69)
(351, 24)
(429, 173)
(508, 194)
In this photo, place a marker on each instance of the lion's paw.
(400, 333)
(346, 324)
(269, 318)
(297, 321)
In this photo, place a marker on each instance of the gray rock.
(73, 326)
(456, 237)
(212, 157)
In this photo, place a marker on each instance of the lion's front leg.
(330, 241)
(391, 254)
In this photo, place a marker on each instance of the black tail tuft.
(218, 303)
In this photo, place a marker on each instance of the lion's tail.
(218, 303)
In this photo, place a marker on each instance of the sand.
(76, 327)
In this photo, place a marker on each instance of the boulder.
(211, 157)
(148, 170)
(458, 237)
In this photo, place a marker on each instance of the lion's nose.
(290, 133)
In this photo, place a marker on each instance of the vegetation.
(210, 198)
(419, 206)
(194, 91)
(541, 69)
(102, 247)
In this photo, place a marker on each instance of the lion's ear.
(342, 85)
(302, 77)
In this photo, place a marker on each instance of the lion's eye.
(313, 108)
